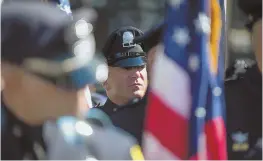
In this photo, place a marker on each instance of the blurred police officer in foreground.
(44, 80)
(127, 80)
(243, 91)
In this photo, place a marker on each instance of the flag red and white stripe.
(185, 110)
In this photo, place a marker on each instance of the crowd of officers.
(45, 112)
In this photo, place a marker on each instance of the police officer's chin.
(138, 94)
(138, 90)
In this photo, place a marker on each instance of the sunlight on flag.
(185, 115)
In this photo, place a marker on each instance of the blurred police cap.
(44, 39)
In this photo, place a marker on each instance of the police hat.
(152, 37)
(33, 37)
(121, 51)
(253, 10)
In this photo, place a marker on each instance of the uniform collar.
(110, 106)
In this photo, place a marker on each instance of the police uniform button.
(200, 112)
(115, 109)
(17, 131)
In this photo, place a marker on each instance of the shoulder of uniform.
(238, 70)
(99, 141)
(99, 114)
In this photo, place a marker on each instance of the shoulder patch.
(238, 69)
(136, 153)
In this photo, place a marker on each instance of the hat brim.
(87, 73)
(81, 77)
(151, 38)
(78, 73)
(131, 62)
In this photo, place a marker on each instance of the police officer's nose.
(135, 72)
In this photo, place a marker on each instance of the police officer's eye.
(141, 67)
(128, 68)
(137, 68)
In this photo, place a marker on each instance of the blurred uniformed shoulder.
(88, 139)
(241, 81)
(243, 97)
(98, 114)
(237, 80)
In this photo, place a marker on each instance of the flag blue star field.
(185, 115)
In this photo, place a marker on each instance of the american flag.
(185, 117)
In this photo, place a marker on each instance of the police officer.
(44, 80)
(127, 80)
(31, 41)
(243, 92)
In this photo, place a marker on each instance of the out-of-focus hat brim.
(131, 62)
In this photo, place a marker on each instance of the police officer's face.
(47, 94)
(41, 98)
(257, 42)
(127, 83)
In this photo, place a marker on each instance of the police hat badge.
(127, 39)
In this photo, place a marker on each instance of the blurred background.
(239, 39)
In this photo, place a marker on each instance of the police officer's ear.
(106, 85)
(10, 73)
(7, 70)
